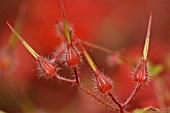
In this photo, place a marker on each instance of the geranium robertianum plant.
(72, 53)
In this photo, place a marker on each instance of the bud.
(72, 56)
(46, 69)
(103, 84)
(141, 73)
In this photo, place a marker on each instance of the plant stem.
(66, 28)
(87, 56)
(77, 81)
(123, 56)
(146, 46)
(114, 100)
(65, 79)
(98, 99)
(136, 89)
(97, 47)
(76, 75)
(27, 46)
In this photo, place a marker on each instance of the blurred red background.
(114, 24)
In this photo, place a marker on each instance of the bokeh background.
(119, 25)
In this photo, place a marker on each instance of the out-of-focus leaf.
(167, 61)
(138, 111)
(114, 59)
(152, 110)
(147, 110)
(155, 69)
(2, 112)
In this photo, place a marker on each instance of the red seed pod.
(141, 73)
(103, 84)
(72, 56)
(46, 69)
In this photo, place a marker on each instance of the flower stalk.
(141, 73)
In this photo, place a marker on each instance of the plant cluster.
(72, 54)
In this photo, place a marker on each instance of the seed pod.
(72, 56)
(141, 73)
(45, 68)
(103, 83)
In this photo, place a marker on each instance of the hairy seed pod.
(103, 84)
(141, 73)
(72, 56)
(46, 69)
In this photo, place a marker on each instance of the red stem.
(98, 99)
(76, 75)
(137, 87)
(86, 91)
(115, 100)
(65, 79)
(97, 47)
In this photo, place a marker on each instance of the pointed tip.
(66, 28)
(146, 46)
(62, 9)
(33, 53)
(12, 29)
(8, 24)
(149, 25)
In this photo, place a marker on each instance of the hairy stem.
(97, 47)
(77, 83)
(76, 75)
(129, 99)
(98, 99)
(65, 79)
(114, 100)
